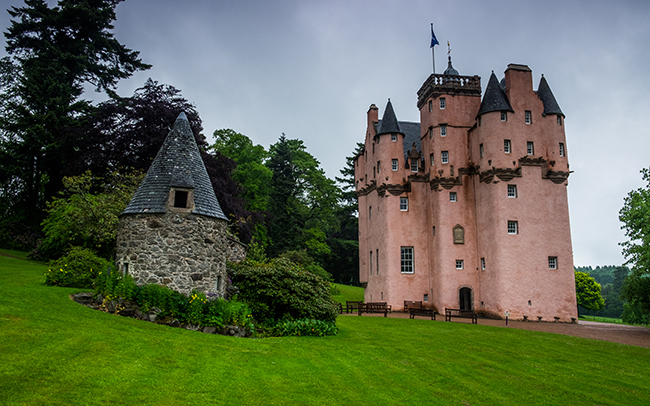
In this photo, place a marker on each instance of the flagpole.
(433, 55)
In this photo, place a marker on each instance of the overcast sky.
(311, 69)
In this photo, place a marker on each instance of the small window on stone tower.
(512, 191)
(180, 199)
(430, 106)
(460, 264)
(378, 166)
(443, 130)
(513, 227)
(480, 149)
(444, 157)
(504, 116)
(443, 103)
(559, 119)
(125, 269)
(393, 137)
(506, 146)
(483, 264)
(395, 165)
(562, 152)
(529, 117)
(430, 132)
(432, 159)
(530, 148)
(404, 203)
(452, 196)
(552, 262)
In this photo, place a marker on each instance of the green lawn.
(342, 293)
(602, 319)
(56, 352)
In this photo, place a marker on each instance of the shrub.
(305, 327)
(220, 312)
(282, 290)
(78, 269)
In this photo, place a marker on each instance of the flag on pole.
(434, 40)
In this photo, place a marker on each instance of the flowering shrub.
(78, 268)
(305, 327)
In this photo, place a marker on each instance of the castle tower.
(469, 208)
(524, 240)
(173, 232)
(448, 104)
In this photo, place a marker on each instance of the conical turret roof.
(546, 96)
(178, 164)
(495, 98)
(389, 123)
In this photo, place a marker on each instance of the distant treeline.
(611, 279)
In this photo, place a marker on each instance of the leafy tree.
(53, 53)
(588, 292)
(301, 197)
(635, 216)
(86, 218)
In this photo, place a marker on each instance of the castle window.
(430, 132)
(434, 231)
(444, 157)
(530, 149)
(559, 119)
(443, 103)
(483, 264)
(562, 151)
(431, 158)
(506, 146)
(407, 265)
(512, 191)
(480, 149)
(414, 164)
(430, 106)
(370, 213)
(218, 284)
(377, 256)
(373, 147)
(378, 166)
(425, 299)
(180, 199)
(479, 121)
(513, 227)
(452, 196)
(404, 203)
(529, 118)
(459, 234)
(443, 130)
(552, 262)
(393, 137)
(374, 172)
(504, 116)
(394, 165)
(460, 264)
(370, 262)
(125, 269)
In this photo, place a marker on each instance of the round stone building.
(173, 232)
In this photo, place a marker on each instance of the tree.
(53, 54)
(635, 216)
(86, 218)
(588, 292)
(301, 197)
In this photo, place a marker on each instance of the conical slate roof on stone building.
(389, 124)
(177, 165)
(546, 96)
(495, 98)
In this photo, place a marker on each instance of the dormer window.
(180, 199)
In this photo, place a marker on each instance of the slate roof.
(178, 164)
(450, 69)
(546, 96)
(495, 98)
(389, 123)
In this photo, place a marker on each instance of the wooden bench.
(374, 307)
(412, 304)
(464, 314)
(351, 306)
(422, 311)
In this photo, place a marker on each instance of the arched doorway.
(465, 299)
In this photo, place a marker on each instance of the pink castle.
(468, 208)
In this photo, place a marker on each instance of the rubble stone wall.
(183, 251)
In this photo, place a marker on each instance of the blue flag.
(434, 40)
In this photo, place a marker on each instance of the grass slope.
(345, 293)
(56, 352)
